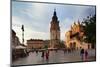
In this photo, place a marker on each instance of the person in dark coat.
(86, 54)
(82, 54)
(42, 54)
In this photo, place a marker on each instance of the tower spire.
(54, 18)
(54, 12)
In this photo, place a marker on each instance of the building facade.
(54, 31)
(74, 37)
(14, 40)
(13, 36)
(35, 43)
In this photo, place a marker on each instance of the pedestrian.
(36, 52)
(86, 54)
(64, 51)
(47, 55)
(42, 54)
(68, 50)
(82, 54)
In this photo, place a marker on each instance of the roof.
(13, 32)
(35, 40)
(20, 47)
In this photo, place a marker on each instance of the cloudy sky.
(36, 18)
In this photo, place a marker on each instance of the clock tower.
(54, 31)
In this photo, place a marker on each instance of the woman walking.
(47, 55)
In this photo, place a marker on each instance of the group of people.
(68, 50)
(84, 54)
(45, 54)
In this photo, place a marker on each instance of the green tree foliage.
(62, 45)
(90, 30)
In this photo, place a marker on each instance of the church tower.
(54, 31)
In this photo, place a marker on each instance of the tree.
(62, 45)
(90, 30)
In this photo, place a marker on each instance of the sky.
(36, 18)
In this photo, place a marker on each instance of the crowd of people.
(83, 53)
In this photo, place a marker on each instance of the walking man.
(82, 54)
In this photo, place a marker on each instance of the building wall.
(74, 42)
(14, 40)
(34, 43)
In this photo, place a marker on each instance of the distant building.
(47, 43)
(74, 36)
(54, 31)
(14, 40)
(35, 43)
(18, 49)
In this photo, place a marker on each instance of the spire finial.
(54, 11)
(78, 22)
(74, 23)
